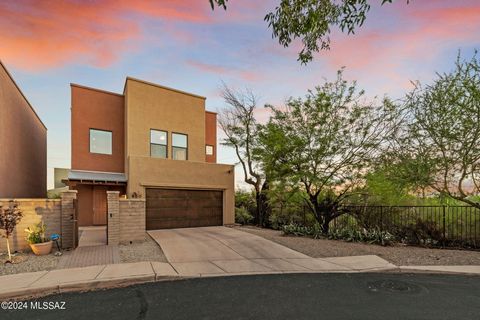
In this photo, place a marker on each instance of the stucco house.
(23, 143)
(150, 142)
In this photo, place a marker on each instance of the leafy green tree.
(311, 21)
(325, 143)
(442, 133)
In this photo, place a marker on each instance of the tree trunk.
(325, 225)
(8, 249)
(264, 207)
(256, 219)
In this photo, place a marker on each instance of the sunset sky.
(46, 45)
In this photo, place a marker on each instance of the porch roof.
(78, 175)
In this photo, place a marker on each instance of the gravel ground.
(148, 250)
(397, 254)
(29, 263)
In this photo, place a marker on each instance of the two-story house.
(150, 142)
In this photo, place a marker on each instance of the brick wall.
(57, 214)
(113, 218)
(126, 219)
(132, 220)
(34, 211)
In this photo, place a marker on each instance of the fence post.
(443, 220)
(381, 218)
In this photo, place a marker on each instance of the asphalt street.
(285, 296)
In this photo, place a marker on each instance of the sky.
(48, 44)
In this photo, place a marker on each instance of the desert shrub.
(242, 216)
(246, 199)
(421, 232)
(372, 236)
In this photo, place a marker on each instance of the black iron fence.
(433, 225)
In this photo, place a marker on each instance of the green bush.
(373, 236)
(242, 216)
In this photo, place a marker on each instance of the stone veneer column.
(66, 218)
(113, 217)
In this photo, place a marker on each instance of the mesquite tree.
(237, 121)
(9, 218)
(324, 143)
(441, 142)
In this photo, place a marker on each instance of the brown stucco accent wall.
(97, 109)
(211, 135)
(23, 144)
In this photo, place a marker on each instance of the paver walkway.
(89, 256)
(92, 236)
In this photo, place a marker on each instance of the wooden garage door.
(173, 208)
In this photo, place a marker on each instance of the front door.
(99, 206)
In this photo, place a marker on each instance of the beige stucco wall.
(34, 211)
(147, 172)
(153, 107)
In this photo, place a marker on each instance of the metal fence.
(437, 225)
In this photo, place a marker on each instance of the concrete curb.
(43, 283)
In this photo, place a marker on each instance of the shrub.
(242, 216)
(374, 236)
(420, 232)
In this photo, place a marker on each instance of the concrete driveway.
(222, 250)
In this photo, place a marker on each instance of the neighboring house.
(23, 144)
(59, 176)
(154, 143)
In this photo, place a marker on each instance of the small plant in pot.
(40, 244)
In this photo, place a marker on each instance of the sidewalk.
(111, 275)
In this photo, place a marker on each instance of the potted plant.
(38, 242)
(9, 217)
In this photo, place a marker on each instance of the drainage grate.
(394, 286)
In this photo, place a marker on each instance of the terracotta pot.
(41, 249)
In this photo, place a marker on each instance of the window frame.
(90, 141)
(158, 144)
(186, 149)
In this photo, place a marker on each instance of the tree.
(325, 144)
(9, 218)
(238, 123)
(442, 133)
(311, 21)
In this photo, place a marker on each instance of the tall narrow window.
(179, 146)
(158, 144)
(100, 141)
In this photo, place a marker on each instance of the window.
(100, 141)
(209, 150)
(158, 144)
(179, 146)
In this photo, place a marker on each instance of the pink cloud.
(247, 75)
(41, 34)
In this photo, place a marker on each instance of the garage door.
(173, 208)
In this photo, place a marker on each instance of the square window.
(100, 141)
(158, 137)
(209, 150)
